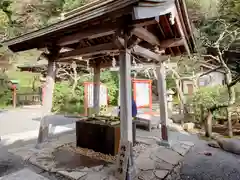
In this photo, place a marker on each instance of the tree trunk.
(231, 93)
(202, 115)
(229, 117)
(180, 93)
(208, 124)
(75, 78)
(183, 108)
(75, 81)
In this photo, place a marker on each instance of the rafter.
(89, 34)
(146, 35)
(172, 43)
(89, 51)
(141, 51)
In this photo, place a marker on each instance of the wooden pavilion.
(148, 30)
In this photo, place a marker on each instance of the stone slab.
(73, 175)
(24, 174)
(146, 175)
(96, 176)
(161, 173)
(145, 164)
(162, 165)
(180, 149)
(168, 155)
(188, 143)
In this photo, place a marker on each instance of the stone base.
(164, 143)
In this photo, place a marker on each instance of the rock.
(214, 144)
(161, 173)
(97, 168)
(175, 127)
(188, 126)
(177, 118)
(170, 121)
(207, 153)
(230, 145)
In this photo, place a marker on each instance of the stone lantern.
(170, 94)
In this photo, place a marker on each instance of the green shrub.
(5, 92)
(207, 97)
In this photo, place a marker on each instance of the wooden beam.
(141, 23)
(89, 34)
(133, 41)
(141, 51)
(172, 43)
(145, 35)
(70, 60)
(88, 51)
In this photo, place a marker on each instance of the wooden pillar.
(48, 99)
(96, 89)
(162, 94)
(125, 96)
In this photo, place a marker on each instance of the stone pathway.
(25, 174)
(157, 162)
(152, 161)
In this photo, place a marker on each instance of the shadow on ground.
(10, 163)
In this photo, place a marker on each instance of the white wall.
(212, 79)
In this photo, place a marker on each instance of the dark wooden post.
(48, 95)
(96, 89)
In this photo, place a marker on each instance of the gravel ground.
(220, 166)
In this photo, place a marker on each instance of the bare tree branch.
(235, 81)
(210, 71)
(211, 56)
